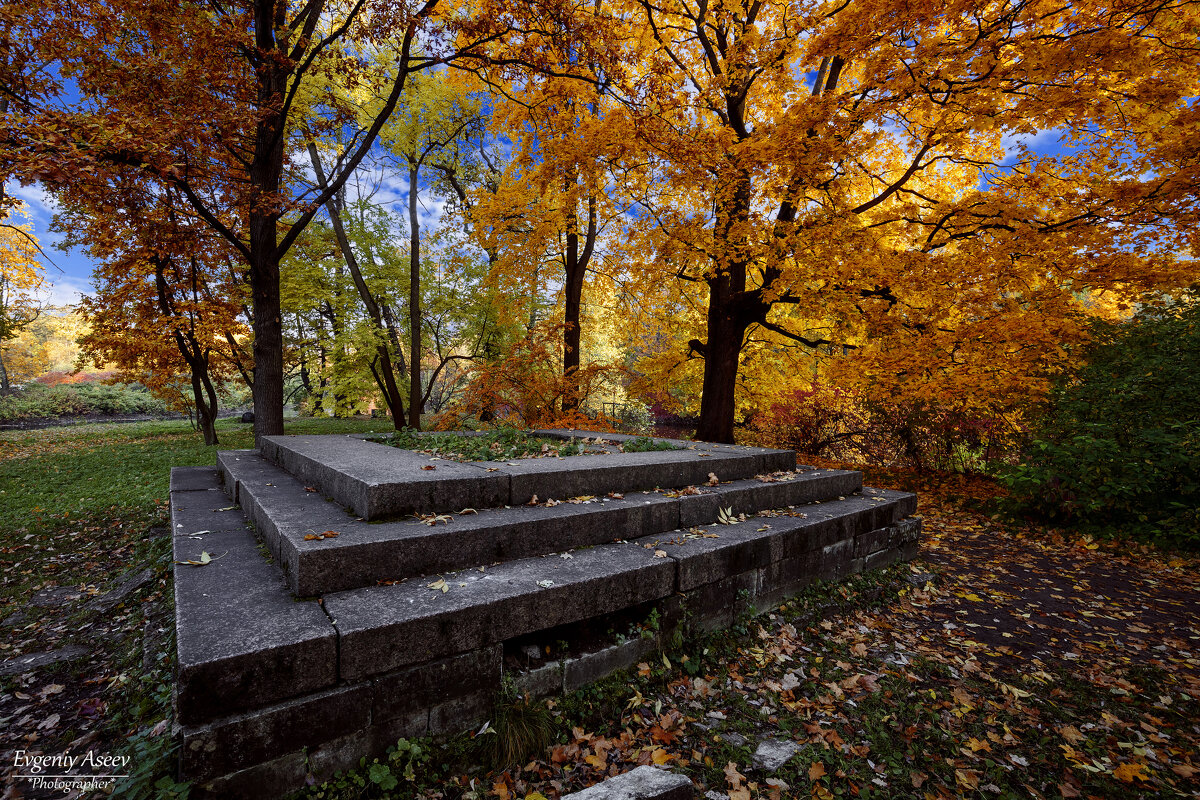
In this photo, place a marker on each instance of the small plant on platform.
(502, 444)
(644, 444)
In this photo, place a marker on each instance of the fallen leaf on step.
(428, 466)
(440, 584)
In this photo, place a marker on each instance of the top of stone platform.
(377, 480)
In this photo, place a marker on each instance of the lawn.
(1008, 661)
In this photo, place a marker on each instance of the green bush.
(35, 401)
(1119, 450)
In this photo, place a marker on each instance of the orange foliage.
(525, 386)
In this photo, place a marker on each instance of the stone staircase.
(387, 591)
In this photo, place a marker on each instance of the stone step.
(489, 604)
(294, 522)
(243, 640)
(378, 481)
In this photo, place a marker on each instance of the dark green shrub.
(1119, 450)
(35, 401)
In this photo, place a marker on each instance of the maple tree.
(838, 174)
(168, 299)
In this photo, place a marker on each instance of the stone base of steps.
(273, 691)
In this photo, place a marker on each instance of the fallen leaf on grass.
(816, 771)
(1130, 772)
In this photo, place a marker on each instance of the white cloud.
(41, 205)
(64, 290)
(1040, 142)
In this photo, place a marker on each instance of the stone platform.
(328, 624)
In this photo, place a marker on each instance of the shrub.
(1119, 450)
(36, 401)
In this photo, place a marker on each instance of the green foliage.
(644, 444)
(35, 401)
(1119, 450)
(500, 444)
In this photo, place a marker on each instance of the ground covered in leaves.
(1008, 661)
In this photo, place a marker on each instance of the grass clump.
(645, 444)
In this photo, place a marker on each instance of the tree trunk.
(576, 268)
(730, 312)
(726, 331)
(415, 394)
(385, 376)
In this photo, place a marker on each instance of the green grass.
(53, 477)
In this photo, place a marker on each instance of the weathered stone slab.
(377, 480)
(124, 588)
(270, 779)
(243, 640)
(769, 460)
(481, 608)
(194, 479)
(590, 667)
(240, 741)
(31, 661)
(545, 680)
(748, 496)
(562, 478)
(774, 753)
(409, 690)
(643, 783)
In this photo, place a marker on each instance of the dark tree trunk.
(265, 172)
(731, 309)
(576, 269)
(415, 395)
(726, 332)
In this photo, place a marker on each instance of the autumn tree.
(839, 174)
(20, 279)
(169, 300)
